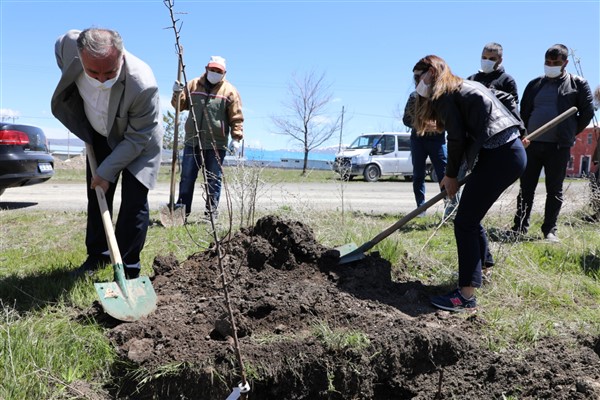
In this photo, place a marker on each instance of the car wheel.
(408, 178)
(372, 173)
(2, 191)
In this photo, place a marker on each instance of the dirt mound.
(310, 329)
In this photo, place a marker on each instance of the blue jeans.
(433, 146)
(193, 159)
(554, 160)
(495, 170)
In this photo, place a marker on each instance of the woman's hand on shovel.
(451, 186)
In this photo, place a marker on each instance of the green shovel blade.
(350, 252)
(127, 300)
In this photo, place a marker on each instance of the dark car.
(24, 156)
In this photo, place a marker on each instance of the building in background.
(581, 164)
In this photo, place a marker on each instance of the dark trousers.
(495, 170)
(433, 146)
(134, 214)
(194, 159)
(554, 160)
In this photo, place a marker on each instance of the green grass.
(538, 289)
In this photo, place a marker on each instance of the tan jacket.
(218, 113)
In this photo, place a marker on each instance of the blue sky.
(366, 49)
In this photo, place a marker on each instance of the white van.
(374, 155)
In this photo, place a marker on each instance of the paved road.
(380, 197)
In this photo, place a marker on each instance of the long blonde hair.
(442, 81)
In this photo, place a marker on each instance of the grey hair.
(494, 48)
(99, 42)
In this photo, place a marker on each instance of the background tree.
(169, 125)
(308, 122)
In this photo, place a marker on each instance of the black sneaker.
(512, 235)
(455, 302)
(93, 263)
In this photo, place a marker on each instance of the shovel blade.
(172, 216)
(349, 252)
(133, 300)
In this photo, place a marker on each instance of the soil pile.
(311, 329)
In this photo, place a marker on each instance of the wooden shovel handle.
(535, 134)
(111, 239)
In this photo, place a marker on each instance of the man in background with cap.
(217, 109)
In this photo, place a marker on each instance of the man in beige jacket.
(215, 115)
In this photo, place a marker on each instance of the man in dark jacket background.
(492, 74)
(544, 98)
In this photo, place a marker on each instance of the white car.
(374, 155)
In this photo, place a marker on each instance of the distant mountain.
(74, 141)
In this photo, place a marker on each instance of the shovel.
(124, 299)
(169, 214)
(351, 252)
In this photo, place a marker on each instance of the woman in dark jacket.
(483, 132)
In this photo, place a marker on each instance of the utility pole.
(341, 130)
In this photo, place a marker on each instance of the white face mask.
(487, 66)
(423, 89)
(214, 77)
(106, 84)
(552, 72)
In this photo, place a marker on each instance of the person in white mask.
(492, 74)
(217, 108)
(482, 132)
(544, 98)
(109, 99)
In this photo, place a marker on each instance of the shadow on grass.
(508, 236)
(33, 292)
(590, 265)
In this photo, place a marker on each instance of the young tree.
(308, 122)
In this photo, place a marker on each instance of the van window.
(404, 143)
(388, 144)
(365, 142)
